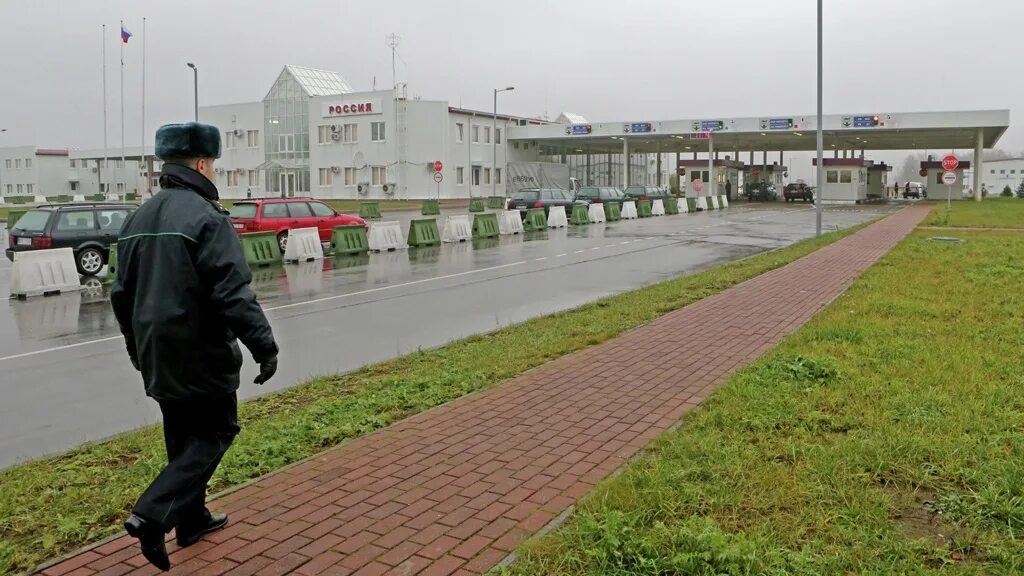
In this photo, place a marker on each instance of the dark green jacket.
(182, 292)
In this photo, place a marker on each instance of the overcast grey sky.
(607, 60)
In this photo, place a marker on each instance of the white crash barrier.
(684, 206)
(510, 222)
(1, 200)
(557, 218)
(386, 236)
(303, 245)
(658, 207)
(595, 213)
(714, 202)
(40, 200)
(725, 201)
(629, 210)
(113, 197)
(78, 198)
(702, 203)
(44, 272)
(457, 229)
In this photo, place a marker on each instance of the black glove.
(267, 369)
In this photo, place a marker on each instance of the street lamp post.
(195, 84)
(494, 141)
(821, 141)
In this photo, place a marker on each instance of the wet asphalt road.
(65, 379)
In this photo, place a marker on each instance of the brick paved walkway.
(454, 489)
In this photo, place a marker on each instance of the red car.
(278, 215)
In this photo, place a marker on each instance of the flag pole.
(122, 97)
(99, 172)
(142, 142)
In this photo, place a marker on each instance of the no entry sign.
(950, 162)
(948, 177)
(438, 177)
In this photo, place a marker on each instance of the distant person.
(182, 300)
(728, 189)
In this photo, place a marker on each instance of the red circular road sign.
(698, 185)
(950, 162)
(756, 171)
(438, 165)
(949, 177)
(438, 176)
(923, 172)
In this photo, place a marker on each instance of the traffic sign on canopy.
(950, 162)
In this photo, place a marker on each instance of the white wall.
(238, 160)
(938, 191)
(999, 173)
(14, 173)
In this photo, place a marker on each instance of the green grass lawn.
(884, 437)
(993, 212)
(51, 506)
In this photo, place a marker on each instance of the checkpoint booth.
(931, 171)
(724, 170)
(774, 174)
(878, 180)
(846, 180)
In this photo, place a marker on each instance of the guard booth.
(774, 174)
(846, 180)
(932, 171)
(878, 180)
(724, 170)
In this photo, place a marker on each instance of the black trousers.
(197, 434)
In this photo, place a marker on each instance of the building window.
(476, 134)
(350, 176)
(74, 186)
(497, 175)
(28, 189)
(72, 162)
(120, 187)
(28, 162)
(993, 171)
(254, 178)
(497, 135)
(326, 177)
(232, 178)
(515, 145)
(476, 175)
(229, 140)
(1013, 171)
(20, 189)
(10, 189)
(845, 177)
(351, 133)
(487, 175)
(832, 177)
(17, 162)
(253, 138)
(459, 129)
(9, 165)
(286, 142)
(487, 134)
(323, 134)
(1002, 171)
(378, 175)
(376, 131)
(460, 176)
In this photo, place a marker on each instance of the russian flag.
(125, 34)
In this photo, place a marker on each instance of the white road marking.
(596, 248)
(579, 251)
(281, 307)
(623, 243)
(541, 258)
(561, 255)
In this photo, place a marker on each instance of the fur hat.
(189, 140)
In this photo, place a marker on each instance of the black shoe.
(189, 534)
(151, 538)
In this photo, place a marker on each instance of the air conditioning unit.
(219, 170)
(335, 169)
(389, 188)
(240, 170)
(95, 170)
(335, 128)
(336, 136)
(239, 132)
(363, 188)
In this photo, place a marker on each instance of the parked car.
(600, 195)
(798, 191)
(760, 192)
(646, 193)
(545, 198)
(279, 215)
(88, 229)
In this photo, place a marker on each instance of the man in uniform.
(182, 299)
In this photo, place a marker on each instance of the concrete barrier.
(2, 202)
(701, 203)
(629, 210)
(386, 236)
(456, 229)
(496, 202)
(658, 207)
(40, 272)
(595, 214)
(557, 218)
(671, 206)
(643, 208)
(485, 226)
(725, 201)
(369, 210)
(714, 202)
(536, 220)
(303, 245)
(476, 204)
(260, 248)
(430, 208)
(349, 240)
(510, 222)
(78, 198)
(684, 206)
(40, 200)
(612, 212)
(423, 232)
